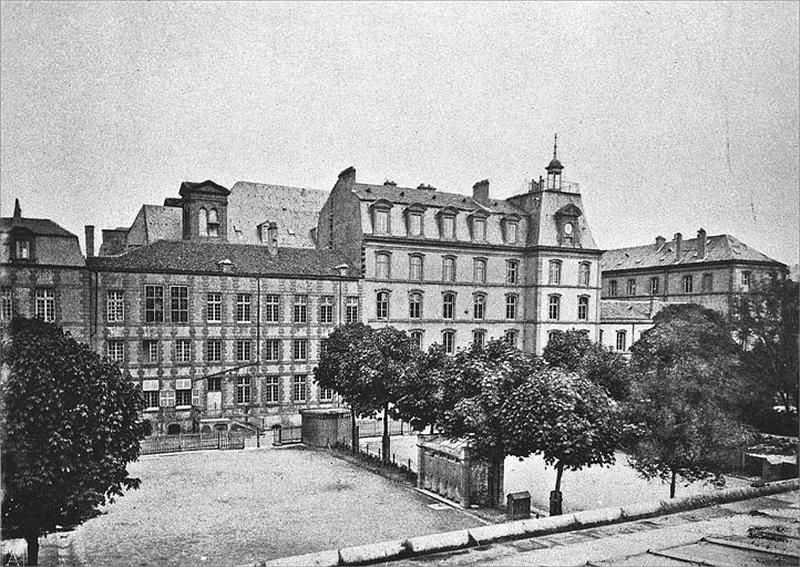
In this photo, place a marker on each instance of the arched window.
(511, 337)
(479, 306)
(622, 340)
(382, 266)
(479, 337)
(213, 224)
(555, 272)
(554, 307)
(416, 336)
(415, 267)
(382, 305)
(415, 305)
(448, 269)
(511, 306)
(202, 222)
(584, 274)
(479, 270)
(448, 305)
(583, 308)
(449, 341)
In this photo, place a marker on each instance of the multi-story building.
(707, 270)
(453, 269)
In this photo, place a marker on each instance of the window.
(622, 340)
(271, 389)
(115, 350)
(326, 309)
(183, 351)
(746, 280)
(415, 305)
(6, 304)
(299, 388)
(46, 305)
(382, 266)
(215, 384)
(448, 226)
(512, 271)
(150, 351)
(300, 349)
(511, 306)
(688, 284)
(654, 285)
(478, 229)
(202, 222)
(214, 307)
(416, 336)
(448, 269)
(415, 224)
(325, 394)
(213, 224)
(351, 309)
(554, 307)
(555, 272)
(631, 287)
(612, 288)
(214, 350)
(243, 348)
(584, 274)
(511, 337)
(381, 221)
(271, 350)
(115, 306)
(179, 304)
(183, 392)
(707, 283)
(271, 313)
(382, 305)
(242, 307)
(243, 390)
(22, 249)
(583, 308)
(150, 400)
(153, 304)
(448, 305)
(300, 308)
(479, 306)
(479, 270)
(449, 341)
(167, 398)
(479, 337)
(511, 232)
(415, 267)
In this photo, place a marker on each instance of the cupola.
(554, 169)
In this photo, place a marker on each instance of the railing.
(286, 435)
(190, 442)
(374, 428)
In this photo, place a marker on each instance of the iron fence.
(191, 442)
(374, 427)
(285, 435)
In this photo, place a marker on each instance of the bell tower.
(554, 169)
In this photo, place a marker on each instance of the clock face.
(568, 228)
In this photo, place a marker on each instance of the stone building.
(454, 269)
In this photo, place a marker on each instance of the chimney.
(660, 240)
(480, 192)
(388, 183)
(348, 174)
(272, 238)
(89, 230)
(678, 246)
(701, 243)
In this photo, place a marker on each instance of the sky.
(672, 116)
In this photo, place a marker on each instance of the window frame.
(272, 385)
(512, 272)
(272, 313)
(448, 268)
(300, 349)
(583, 307)
(383, 265)
(584, 274)
(45, 304)
(655, 285)
(478, 306)
(179, 304)
(243, 350)
(449, 302)
(299, 384)
(151, 351)
(554, 307)
(183, 351)
(621, 338)
(243, 390)
(479, 337)
(449, 341)
(382, 300)
(554, 272)
(630, 286)
(326, 310)
(6, 304)
(352, 310)
(243, 311)
(115, 350)
(688, 283)
(213, 347)
(612, 288)
(213, 307)
(300, 308)
(115, 308)
(479, 270)
(415, 305)
(419, 260)
(512, 302)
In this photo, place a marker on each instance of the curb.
(464, 539)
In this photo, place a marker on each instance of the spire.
(555, 145)
(17, 212)
(554, 165)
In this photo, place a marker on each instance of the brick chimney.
(660, 240)
(480, 192)
(89, 231)
(272, 238)
(701, 243)
(678, 246)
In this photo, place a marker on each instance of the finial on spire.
(17, 211)
(555, 145)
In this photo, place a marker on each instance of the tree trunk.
(353, 431)
(672, 485)
(496, 484)
(385, 442)
(555, 496)
(431, 429)
(33, 549)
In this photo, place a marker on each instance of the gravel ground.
(239, 507)
(595, 487)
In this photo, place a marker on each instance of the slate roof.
(193, 256)
(429, 197)
(294, 209)
(718, 248)
(612, 309)
(40, 227)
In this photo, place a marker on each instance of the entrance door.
(214, 401)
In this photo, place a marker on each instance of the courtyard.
(238, 507)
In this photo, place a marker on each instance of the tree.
(566, 417)
(682, 410)
(566, 349)
(70, 426)
(418, 396)
(765, 324)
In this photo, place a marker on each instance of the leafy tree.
(70, 426)
(765, 324)
(418, 395)
(566, 417)
(682, 412)
(573, 351)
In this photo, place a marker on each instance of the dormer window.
(414, 215)
(477, 222)
(380, 217)
(567, 224)
(511, 232)
(213, 223)
(447, 223)
(22, 249)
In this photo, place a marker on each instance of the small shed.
(325, 427)
(446, 468)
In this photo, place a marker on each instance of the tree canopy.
(682, 410)
(70, 427)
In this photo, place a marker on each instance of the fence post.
(409, 465)
(393, 461)
(258, 439)
(218, 441)
(180, 442)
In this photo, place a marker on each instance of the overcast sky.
(672, 116)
